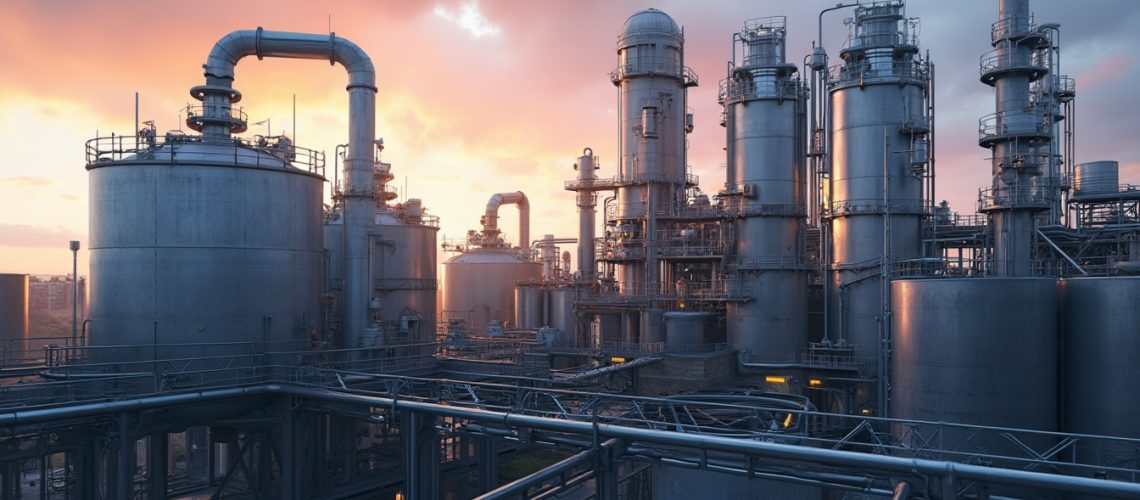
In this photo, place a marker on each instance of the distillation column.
(1015, 135)
(765, 108)
(879, 149)
(652, 81)
(587, 202)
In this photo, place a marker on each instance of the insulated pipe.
(218, 95)
(491, 217)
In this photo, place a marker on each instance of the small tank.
(686, 331)
(529, 306)
(561, 315)
(1096, 177)
(13, 316)
(479, 284)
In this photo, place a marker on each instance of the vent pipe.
(491, 217)
(218, 121)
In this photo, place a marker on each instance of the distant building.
(49, 304)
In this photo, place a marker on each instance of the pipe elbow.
(227, 51)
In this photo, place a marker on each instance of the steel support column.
(125, 465)
(156, 465)
(488, 456)
(421, 456)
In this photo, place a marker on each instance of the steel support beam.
(519, 487)
(421, 455)
(156, 465)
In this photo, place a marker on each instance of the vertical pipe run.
(218, 95)
(587, 202)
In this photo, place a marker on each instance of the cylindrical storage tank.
(1101, 340)
(561, 307)
(479, 285)
(13, 316)
(685, 331)
(975, 351)
(1096, 177)
(404, 277)
(202, 242)
(528, 307)
(878, 112)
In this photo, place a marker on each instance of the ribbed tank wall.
(479, 285)
(975, 351)
(867, 134)
(202, 251)
(764, 131)
(1101, 346)
(1096, 177)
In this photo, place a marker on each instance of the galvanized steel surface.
(560, 307)
(1096, 177)
(202, 252)
(529, 306)
(975, 351)
(1101, 339)
(685, 330)
(479, 285)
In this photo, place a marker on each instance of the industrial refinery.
(266, 320)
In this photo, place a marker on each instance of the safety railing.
(1031, 196)
(198, 115)
(735, 89)
(1005, 124)
(655, 67)
(857, 206)
(155, 149)
(1012, 27)
(915, 72)
(1007, 59)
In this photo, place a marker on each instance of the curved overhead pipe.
(218, 95)
(491, 217)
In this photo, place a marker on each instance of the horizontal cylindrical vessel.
(1096, 177)
(201, 242)
(1101, 346)
(975, 351)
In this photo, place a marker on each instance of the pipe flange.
(200, 92)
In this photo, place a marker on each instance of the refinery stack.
(815, 324)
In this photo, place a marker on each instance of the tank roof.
(651, 20)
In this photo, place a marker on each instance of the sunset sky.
(475, 97)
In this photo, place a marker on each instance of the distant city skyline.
(475, 97)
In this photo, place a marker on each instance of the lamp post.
(74, 289)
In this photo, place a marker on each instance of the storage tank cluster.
(846, 154)
(210, 239)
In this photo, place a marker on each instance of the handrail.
(120, 148)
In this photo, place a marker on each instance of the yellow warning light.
(788, 421)
(775, 379)
(814, 382)
(865, 411)
(681, 304)
(617, 359)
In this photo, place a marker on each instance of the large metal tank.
(878, 106)
(765, 108)
(13, 316)
(529, 306)
(1096, 177)
(975, 351)
(202, 242)
(479, 285)
(1100, 373)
